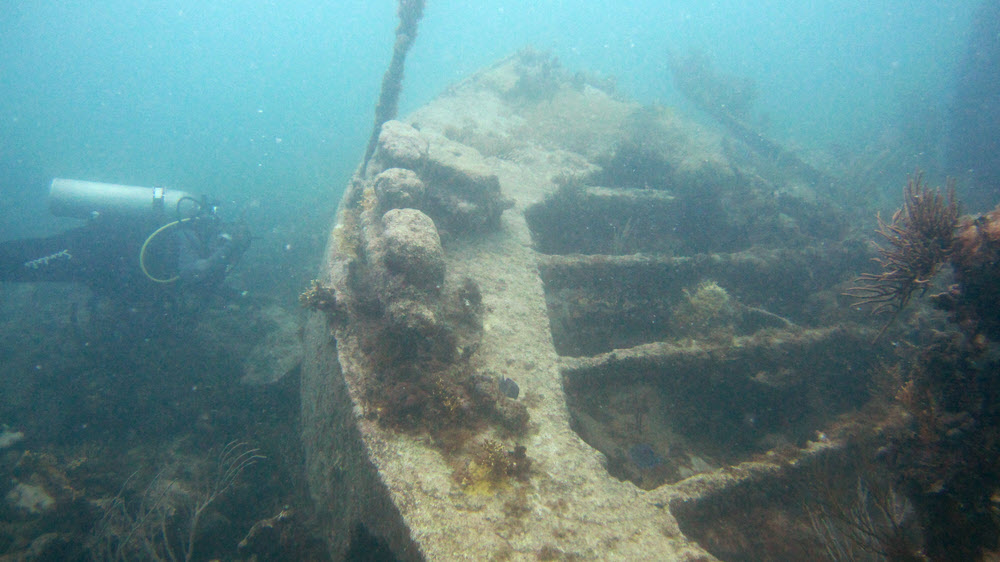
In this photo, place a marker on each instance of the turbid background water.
(267, 105)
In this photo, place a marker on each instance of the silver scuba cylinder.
(88, 199)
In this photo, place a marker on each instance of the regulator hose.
(145, 245)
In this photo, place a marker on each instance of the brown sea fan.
(918, 240)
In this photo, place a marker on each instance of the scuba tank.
(113, 202)
(87, 199)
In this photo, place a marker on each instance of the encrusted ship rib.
(664, 348)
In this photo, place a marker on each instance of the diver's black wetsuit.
(204, 253)
(104, 255)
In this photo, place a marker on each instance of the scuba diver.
(140, 246)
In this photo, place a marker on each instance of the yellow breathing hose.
(142, 252)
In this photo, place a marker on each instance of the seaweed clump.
(919, 241)
(321, 297)
(706, 311)
(493, 467)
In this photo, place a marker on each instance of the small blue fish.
(509, 388)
